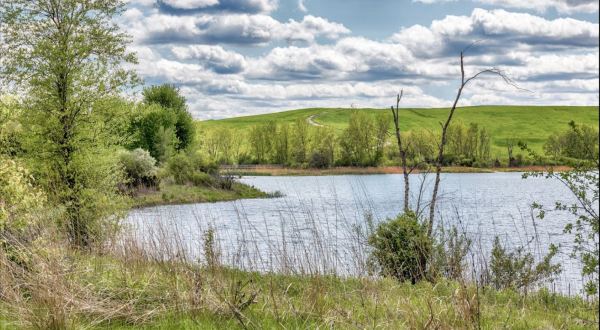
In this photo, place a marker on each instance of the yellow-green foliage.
(530, 124)
(20, 202)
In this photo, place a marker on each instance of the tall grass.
(293, 274)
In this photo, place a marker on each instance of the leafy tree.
(66, 58)
(324, 148)
(170, 99)
(154, 130)
(583, 181)
(579, 141)
(357, 140)
(281, 144)
(484, 145)
(261, 141)
(300, 140)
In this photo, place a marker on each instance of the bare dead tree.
(402, 151)
(438, 166)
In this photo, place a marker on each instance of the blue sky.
(241, 57)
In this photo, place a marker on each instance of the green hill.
(531, 124)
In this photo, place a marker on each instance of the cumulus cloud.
(292, 66)
(350, 58)
(187, 7)
(214, 58)
(496, 29)
(190, 4)
(241, 29)
(561, 6)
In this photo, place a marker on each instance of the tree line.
(366, 141)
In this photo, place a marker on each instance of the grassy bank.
(286, 171)
(131, 292)
(530, 124)
(186, 194)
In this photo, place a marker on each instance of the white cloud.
(541, 6)
(498, 29)
(556, 59)
(302, 6)
(215, 58)
(158, 28)
(311, 27)
(562, 6)
(190, 4)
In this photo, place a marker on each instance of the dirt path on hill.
(312, 122)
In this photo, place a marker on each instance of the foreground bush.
(401, 248)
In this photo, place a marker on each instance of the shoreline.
(266, 170)
(186, 194)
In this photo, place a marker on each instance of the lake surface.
(319, 223)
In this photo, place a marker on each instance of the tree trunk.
(440, 157)
(402, 152)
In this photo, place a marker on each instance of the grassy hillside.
(527, 123)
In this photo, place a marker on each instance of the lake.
(318, 225)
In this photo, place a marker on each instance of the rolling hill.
(531, 124)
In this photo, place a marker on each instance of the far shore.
(270, 170)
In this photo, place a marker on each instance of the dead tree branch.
(438, 166)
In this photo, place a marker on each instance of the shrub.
(20, 202)
(468, 162)
(448, 159)
(202, 179)
(518, 270)
(181, 168)
(401, 248)
(319, 159)
(140, 168)
(449, 253)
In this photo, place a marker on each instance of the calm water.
(316, 226)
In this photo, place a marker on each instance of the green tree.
(154, 131)
(170, 99)
(66, 58)
(282, 144)
(357, 142)
(381, 126)
(484, 145)
(579, 141)
(261, 141)
(300, 140)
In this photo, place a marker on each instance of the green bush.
(518, 270)
(140, 168)
(20, 202)
(449, 159)
(400, 248)
(448, 255)
(319, 159)
(202, 179)
(181, 168)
